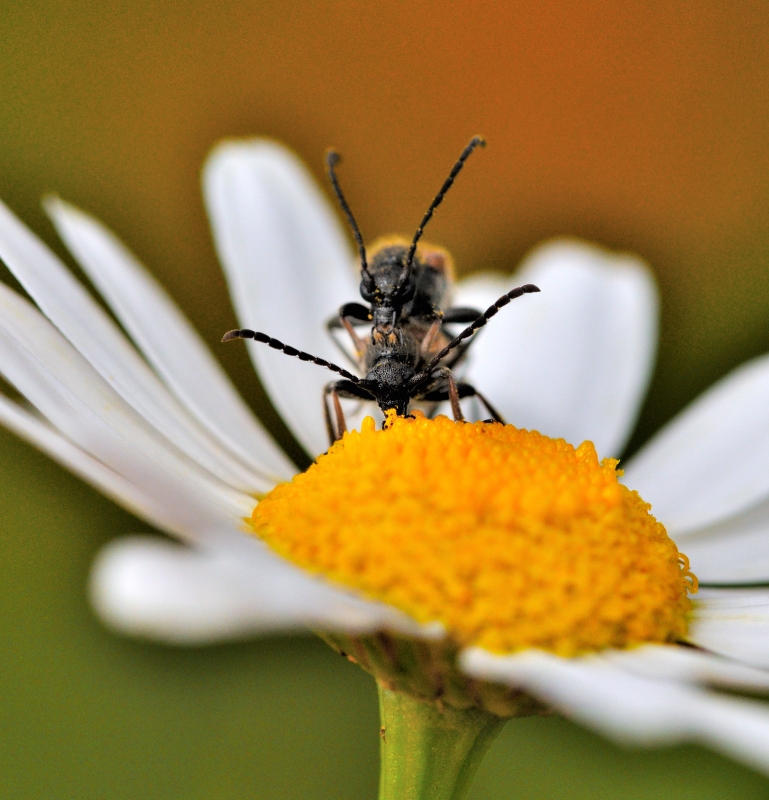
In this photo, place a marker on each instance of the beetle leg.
(341, 424)
(462, 390)
(349, 314)
(461, 314)
(496, 416)
(336, 424)
(358, 343)
(429, 338)
(456, 409)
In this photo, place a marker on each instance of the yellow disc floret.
(507, 537)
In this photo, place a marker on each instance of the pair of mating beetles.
(408, 354)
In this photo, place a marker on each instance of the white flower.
(155, 424)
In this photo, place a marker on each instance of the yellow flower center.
(507, 537)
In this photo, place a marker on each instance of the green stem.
(428, 752)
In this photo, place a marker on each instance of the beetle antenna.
(332, 159)
(275, 344)
(491, 311)
(466, 153)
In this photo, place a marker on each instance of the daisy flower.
(390, 545)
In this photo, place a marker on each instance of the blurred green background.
(640, 125)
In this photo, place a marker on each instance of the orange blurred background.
(640, 125)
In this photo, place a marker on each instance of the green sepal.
(427, 669)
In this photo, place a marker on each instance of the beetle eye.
(367, 290)
(406, 291)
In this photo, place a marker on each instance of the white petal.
(152, 588)
(626, 707)
(47, 370)
(288, 267)
(159, 501)
(134, 481)
(712, 460)
(733, 622)
(575, 360)
(98, 339)
(630, 709)
(673, 662)
(114, 486)
(168, 340)
(145, 586)
(733, 551)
